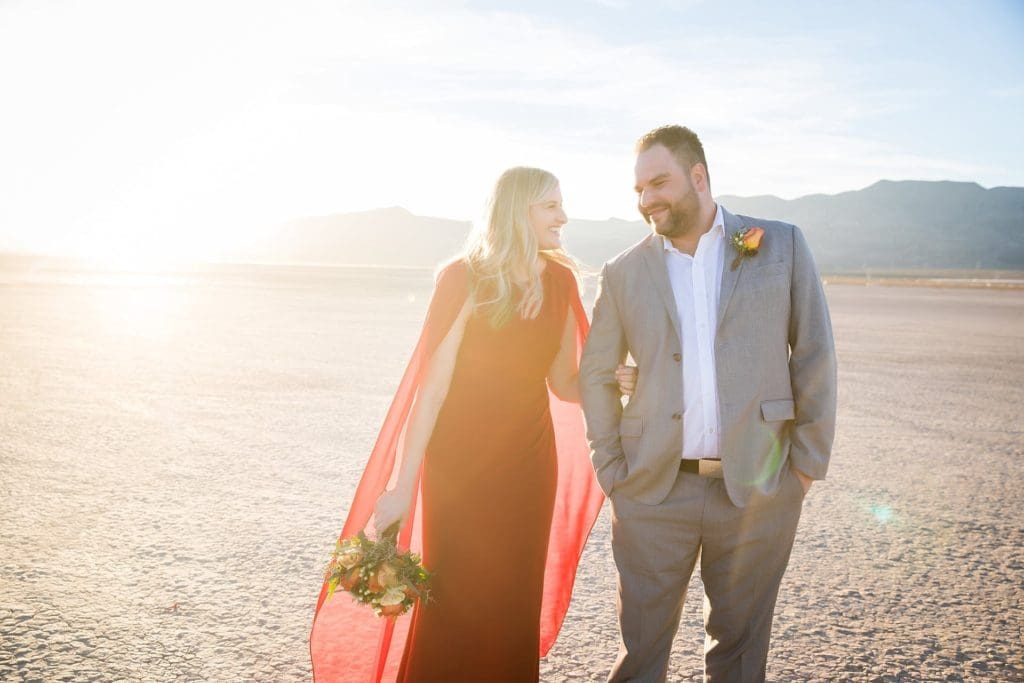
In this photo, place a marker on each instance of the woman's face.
(547, 219)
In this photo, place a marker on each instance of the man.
(732, 417)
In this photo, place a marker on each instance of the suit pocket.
(631, 427)
(780, 409)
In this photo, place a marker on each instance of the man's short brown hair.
(681, 141)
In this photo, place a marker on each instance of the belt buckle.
(709, 468)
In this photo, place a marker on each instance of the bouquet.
(376, 574)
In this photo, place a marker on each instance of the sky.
(156, 129)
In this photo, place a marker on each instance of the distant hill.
(905, 224)
(889, 225)
(392, 237)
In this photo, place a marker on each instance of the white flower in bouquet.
(393, 596)
(350, 557)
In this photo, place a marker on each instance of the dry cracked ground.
(177, 456)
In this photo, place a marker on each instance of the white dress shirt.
(696, 281)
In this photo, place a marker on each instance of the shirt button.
(677, 416)
(677, 357)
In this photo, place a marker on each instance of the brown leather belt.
(704, 467)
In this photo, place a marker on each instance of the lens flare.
(771, 464)
(882, 514)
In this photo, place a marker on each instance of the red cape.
(347, 641)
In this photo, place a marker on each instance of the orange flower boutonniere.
(746, 243)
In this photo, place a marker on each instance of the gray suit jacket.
(774, 356)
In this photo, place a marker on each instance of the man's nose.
(644, 200)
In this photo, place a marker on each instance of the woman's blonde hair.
(504, 244)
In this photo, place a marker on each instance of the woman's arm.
(393, 505)
(564, 373)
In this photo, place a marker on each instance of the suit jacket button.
(677, 416)
(677, 357)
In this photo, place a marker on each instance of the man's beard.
(681, 215)
(673, 227)
(680, 221)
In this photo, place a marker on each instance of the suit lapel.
(729, 275)
(654, 255)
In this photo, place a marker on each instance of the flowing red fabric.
(348, 642)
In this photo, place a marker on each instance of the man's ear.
(699, 177)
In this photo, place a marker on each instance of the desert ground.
(177, 453)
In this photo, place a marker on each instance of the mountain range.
(889, 225)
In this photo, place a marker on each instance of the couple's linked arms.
(564, 376)
(563, 380)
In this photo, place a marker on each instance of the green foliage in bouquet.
(376, 574)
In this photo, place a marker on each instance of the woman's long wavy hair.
(504, 245)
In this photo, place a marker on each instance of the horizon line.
(637, 220)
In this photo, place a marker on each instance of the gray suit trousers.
(743, 554)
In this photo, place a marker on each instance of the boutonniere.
(746, 243)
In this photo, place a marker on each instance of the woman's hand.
(392, 506)
(626, 376)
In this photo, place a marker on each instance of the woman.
(493, 452)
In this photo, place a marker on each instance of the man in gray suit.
(732, 417)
